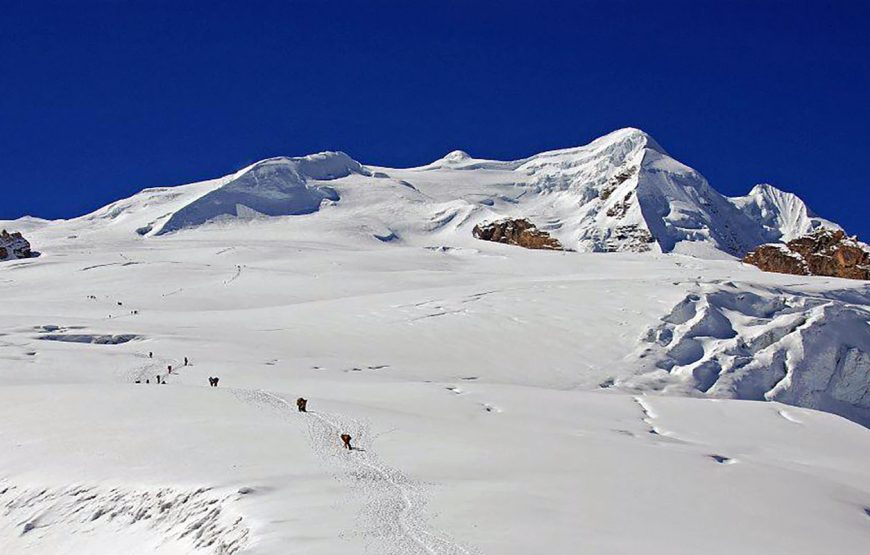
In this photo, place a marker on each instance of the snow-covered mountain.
(783, 216)
(621, 192)
(501, 400)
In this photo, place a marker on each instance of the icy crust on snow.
(756, 343)
(164, 520)
(782, 215)
(274, 187)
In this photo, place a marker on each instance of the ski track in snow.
(392, 520)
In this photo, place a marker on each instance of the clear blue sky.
(102, 98)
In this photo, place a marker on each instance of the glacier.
(642, 392)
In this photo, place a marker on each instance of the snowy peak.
(456, 157)
(630, 195)
(272, 187)
(620, 192)
(322, 166)
(783, 216)
(637, 138)
(461, 160)
(612, 150)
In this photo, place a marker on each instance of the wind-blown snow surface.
(502, 401)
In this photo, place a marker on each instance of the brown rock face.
(520, 232)
(822, 253)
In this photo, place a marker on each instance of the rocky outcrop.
(518, 231)
(14, 246)
(824, 252)
(629, 238)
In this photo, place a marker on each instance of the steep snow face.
(630, 195)
(782, 216)
(681, 209)
(274, 187)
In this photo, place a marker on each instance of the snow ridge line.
(413, 531)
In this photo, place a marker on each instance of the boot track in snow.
(392, 520)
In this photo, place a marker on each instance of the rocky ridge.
(825, 252)
(519, 232)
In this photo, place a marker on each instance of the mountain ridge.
(620, 192)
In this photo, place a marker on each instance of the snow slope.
(502, 401)
(487, 386)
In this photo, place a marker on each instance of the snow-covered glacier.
(642, 391)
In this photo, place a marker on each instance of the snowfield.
(501, 401)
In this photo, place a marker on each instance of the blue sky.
(101, 99)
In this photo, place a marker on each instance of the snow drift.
(750, 342)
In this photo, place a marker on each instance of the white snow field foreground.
(502, 401)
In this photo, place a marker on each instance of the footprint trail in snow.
(392, 521)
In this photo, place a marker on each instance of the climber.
(346, 439)
(302, 404)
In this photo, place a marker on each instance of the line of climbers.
(301, 403)
(162, 380)
(302, 406)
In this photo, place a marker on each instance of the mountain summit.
(621, 192)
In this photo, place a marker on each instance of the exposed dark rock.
(616, 181)
(619, 209)
(14, 246)
(629, 238)
(520, 232)
(824, 252)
